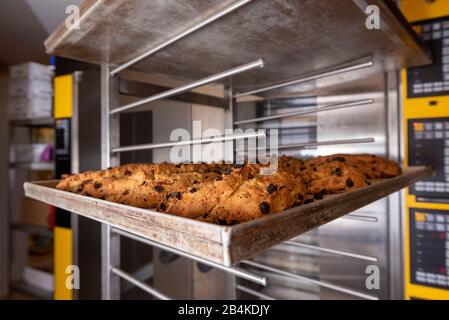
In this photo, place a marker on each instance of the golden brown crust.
(372, 166)
(260, 196)
(228, 194)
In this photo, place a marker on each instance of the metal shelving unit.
(182, 55)
(33, 230)
(19, 232)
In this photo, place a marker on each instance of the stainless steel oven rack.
(110, 236)
(110, 150)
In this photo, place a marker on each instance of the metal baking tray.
(226, 245)
(295, 38)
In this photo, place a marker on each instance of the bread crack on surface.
(229, 194)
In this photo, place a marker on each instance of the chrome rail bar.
(254, 292)
(126, 276)
(314, 144)
(333, 251)
(183, 34)
(205, 140)
(309, 280)
(238, 272)
(360, 217)
(310, 111)
(320, 75)
(326, 143)
(199, 83)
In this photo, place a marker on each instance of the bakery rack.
(275, 47)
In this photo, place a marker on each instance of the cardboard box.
(26, 108)
(35, 213)
(30, 89)
(31, 71)
(35, 152)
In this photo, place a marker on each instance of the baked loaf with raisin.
(219, 193)
(225, 193)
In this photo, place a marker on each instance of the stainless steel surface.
(139, 284)
(210, 79)
(225, 245)
(183, 34)
(110, 250)
(140, 89)
(395, 222)
(373, 231)
(254, 293)
(300, 42)
(75, 166)
(317, 75)
(333, 251)
(232, 270)
(86, 232)
(314, 281)
(204, 140)
(329, 107)
(367, 237)
(167, 276)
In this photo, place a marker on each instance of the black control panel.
(429, 145)
(429, 247)
(431, 80)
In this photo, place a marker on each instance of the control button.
(428, 125)
(441, 282)
(419, 225)
(430, 226)
(440, 227)
(439, 134)
(418, 126)
(420, 135)
(421, 279)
